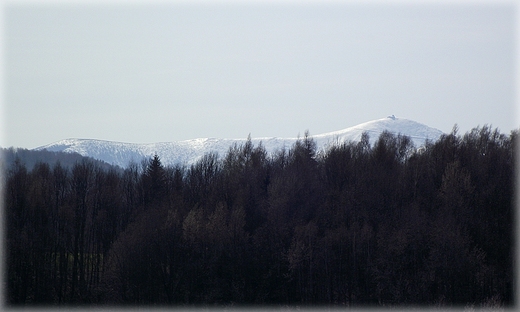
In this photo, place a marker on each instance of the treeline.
(32, 157)
(354, 225)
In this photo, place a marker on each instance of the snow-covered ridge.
(189, 151)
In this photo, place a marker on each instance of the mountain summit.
(189, 151)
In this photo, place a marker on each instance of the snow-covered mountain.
(189, 151)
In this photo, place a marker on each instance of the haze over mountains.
(189, 151)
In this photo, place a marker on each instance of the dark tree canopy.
(354, 225)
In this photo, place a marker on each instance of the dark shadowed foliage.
(354, 225)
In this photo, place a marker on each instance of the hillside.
(189, 151)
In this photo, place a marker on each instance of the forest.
(355, 225)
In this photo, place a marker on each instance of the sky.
(172, 71)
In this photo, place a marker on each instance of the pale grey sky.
(167, 72)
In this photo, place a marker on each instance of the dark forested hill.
(31, 157)
(358, 225)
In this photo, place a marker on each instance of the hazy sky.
(167, 72)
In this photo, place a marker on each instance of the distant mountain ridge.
(189, 151)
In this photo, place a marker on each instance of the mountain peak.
(189, 151)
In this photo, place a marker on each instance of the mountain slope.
(189, 151)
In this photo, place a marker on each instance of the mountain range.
(189, 151)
